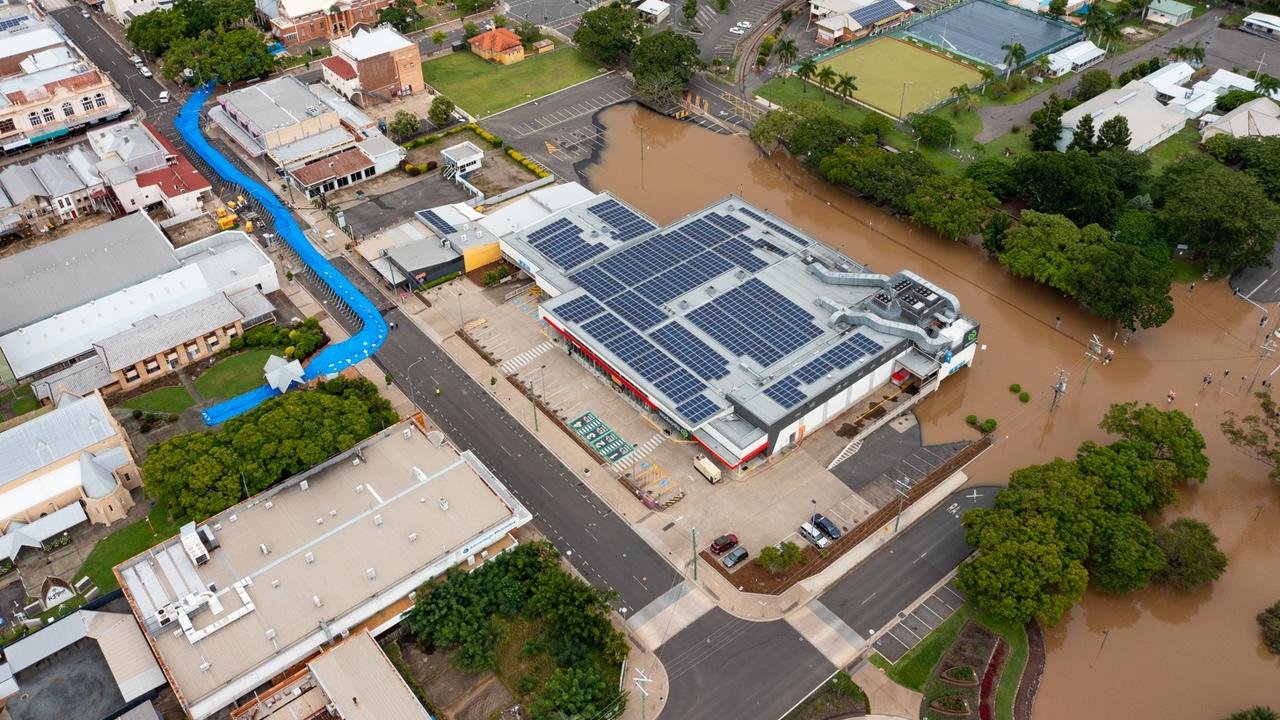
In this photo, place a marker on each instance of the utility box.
(707, 468)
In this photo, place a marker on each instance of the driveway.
(397, 206)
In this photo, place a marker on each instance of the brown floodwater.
(1197, 656)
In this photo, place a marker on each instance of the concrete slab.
(886, 696)
(829, 634)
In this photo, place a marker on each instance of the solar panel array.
(787, 393)
(561, 242)
(626, 224)
(698, 356)
(875, 12)
(732, 319)
(437, 222)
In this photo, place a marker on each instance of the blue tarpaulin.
(332, 359)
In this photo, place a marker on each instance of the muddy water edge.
(1196, 656)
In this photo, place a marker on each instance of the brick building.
(373, 65)
(296, 22)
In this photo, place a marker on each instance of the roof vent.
(270, 504)
(444, 504)
(333, 513)
(377, 519)
(319, 521)
(354, 462)
(271, 633)
(359, 488)
(310, 558)
(232, 518)
(262, 548)
(413, 537)
(370, 572)
(408, 433)
(304, 485)
(204, 666)
(315, 600)
(275, 583)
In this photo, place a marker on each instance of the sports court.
(977, 29)
(885, 63)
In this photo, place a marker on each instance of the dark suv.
(826, 526)
(724, 544)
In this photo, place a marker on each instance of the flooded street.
(1171, 656)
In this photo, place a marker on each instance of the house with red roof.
(499, 45)
(143, 170)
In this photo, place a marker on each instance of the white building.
(463, 158)
(1262, 24)
(126, 11)
(1257, 118)
(654, 11)
(1075, 58)
(142, 169)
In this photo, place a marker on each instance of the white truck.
(707, 468)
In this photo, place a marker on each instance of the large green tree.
(1128, 476)
(1124, 555)
(228, 57)
(1042, 248)
(204, 15)
(1119, 282)
(874, 173)
(666, 53)
(954, 207)
(1170, 434)
(1114, 133)
(1261, 157)
(155, 31)
(609, 33)
(1048, 124)
(1257, 712)
(995, 174)
(816, 137)
(1022, 569)
(1224, 216)
(1269, 622)
(1192, 557)
(571, 692)
(1059, 491)
(1082, 137)
(400, 14)
(1258, 434)
(1092, 84)
(1073, 184)
(1128, 168)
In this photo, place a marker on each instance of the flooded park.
(1154, 653)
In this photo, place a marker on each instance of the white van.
(815, 538)
(707, 468)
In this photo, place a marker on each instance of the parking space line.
(931, 611)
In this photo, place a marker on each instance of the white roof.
(1081, 53)
(534, 207)
(365, 44)
(1168, 79)
(462, 152)
(1256, 118)
(38, 36)
(298, 8)
(653, 7)
(363, 684)
(1148, 117)
(1263, 19)
(281, 373)
(66, 430)
(20, 536)
(119, 640)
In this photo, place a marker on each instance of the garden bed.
(839, 697)
(972, 648)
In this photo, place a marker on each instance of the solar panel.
(738, 253)
(697, 408)
(654, 365)
(757, 306)
(562, 243)
(735, 337)
(813, 370)
(635, 310)
(625, 223)
(751, 214)
(684, 277)
(604, 327)
(597, 282)
(786, 392)
(728, 223)
(686, 347)
(785, 232)
(579, 309)
(629, 346)
(549, 230)
(703, 232)
(680, 385)
(874, 13)
(437, 222)
(843, 355)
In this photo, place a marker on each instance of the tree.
(1257, 712)
(1120, 282)
(1082, 138)
(826, 77)
(471, 7)
(204, 15)
(874, 173)
(876, 125)
(1192, 557)
(807, 69)
(1224, 217)
(1261, 160)
(954, 207)
(1014, 54)
(1041, 248)
(1170, 434)
(608, 33)
(663, 63)
(1071, 183)
(1258, 435)
(441, 112)
(1114, 134)
(1057, 8)
(690, 11)
(570, 692)
(155, 31)
(787, 51)
(1266, 84)
(1234, 98)
(400, 14)
(780, 558)
(1092, 84)
(846, 85)
(1269, 621)
(1124, 554)
(405, 124)
(1048, 125)
(1021, 570)
(1057, 490)
(470, 30)
(1129, 477)
(995, 232)
(1141, 230)
(529, 33)
(1128, 168)
(994, 174)
(933, 131)
(818, 136)
(438, 37)
(229, 56)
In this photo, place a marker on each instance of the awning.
(918, 364)
(34, 534)
(50, 135)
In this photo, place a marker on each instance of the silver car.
(734, 556)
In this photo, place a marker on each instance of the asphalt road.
(143, 92)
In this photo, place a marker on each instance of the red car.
(724, 544)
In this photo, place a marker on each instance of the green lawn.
(885, 64)
(1186, 140)
(124, 543)
(1188, 271)
(162, 400)
(484, 88)
(18, 401)
(914, 669)
(237, 374)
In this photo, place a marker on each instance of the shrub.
(1269, 619)
(237, 343)
(432, 165)
(137, 414)
(1024, 397)
(780, 558)
(971, 419)
(1015, 388)
(173, 417)
(988, 425)
(413, 171)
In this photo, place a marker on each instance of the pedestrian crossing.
(513, 364)
(638, 452)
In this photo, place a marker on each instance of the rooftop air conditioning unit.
(359, 488)
(309, 558)
(271, 633)
(413, 537)
(354, 462)
(370, 572)
(315, 600)
(262, 548)
(270, 504)
(304, 485)
(377, 519)
(408, 433)
(444, 504)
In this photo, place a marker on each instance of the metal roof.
(73, 426)
(365, 44)
(363, 684)
(154, 335)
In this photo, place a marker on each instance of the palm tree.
(1197, 53)
(988, 74)
(1266, 84)
(826, 77)
(1096, 18)
(1179, 52)
(807, 69)
(1042, 65)
(1013, 57)
(787, 51)
(846, 85)
(964, 97)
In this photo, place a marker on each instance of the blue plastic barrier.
(330, 360)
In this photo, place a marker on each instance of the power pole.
(1059, 388)
(694, 536)
(1095, 349)
(1268, 346)
(901, 487)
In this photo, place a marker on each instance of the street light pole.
(694, 538)
(902, 487)
(408, 373)
(902, 101)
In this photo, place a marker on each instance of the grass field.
(484, 88)
(124, 544)
(162, 400)
(883, 65)
(236, 374)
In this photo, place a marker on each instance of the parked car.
(146, 71)
(734, 557)
(137, 61)
(84, 14)
(737, 30)
(164, 96)
(744, 24)
(821, 522)
(724, 544)
(815, 538)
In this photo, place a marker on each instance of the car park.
(827, 527)
(724, 544)
(734, 556)
(815, 538)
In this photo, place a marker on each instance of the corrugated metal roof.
(158, 333)
(66, 430)
(363, 684)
